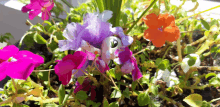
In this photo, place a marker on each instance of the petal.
(45, 15)
(160, 74)
(105, 15)
(69, 45)
(159, 42)
(90, 55)
(127, 67)
(25, 9)
(34, 5)
(171, 33)
(166, 75)
(78, 88)
(95, 30)
(24, 68)
(102, 65)
(166, 19)
(65, 78)
(37, 59)
(50, 7)
(136, 73)
(80, 73)
(3, 67)
(34, 13)
(126, 40)
(79, 59)
(93, 94)
(8, 52)
(125, 55)
(64, 67)
(152, 21)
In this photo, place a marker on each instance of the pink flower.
(18, 64)
(64, 67)
(38, 6)
(129, 63)
(86, 86)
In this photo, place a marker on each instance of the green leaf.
(39, 39)
(164, 64)
(47, 22)
(81, 79)
(61, 93)
(81, 95)
(143, 99)
(43, 76)
(146, 78)
(194, 100)
(158, 61)
(189, 49)
(112, 72)
(134, 85)
(100, 5)
(114, 104)
(116, 94)
(205, 24)
(214, 81)
(118, 75)
(105, 103)
(191, 61)
(126, 93)
(209, 74)
(154, 89)
(89, 102)
(214, 49)
(59, 35)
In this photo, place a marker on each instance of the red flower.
(161, 28)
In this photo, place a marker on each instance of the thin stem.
(67, 3)
(66, 98)
(43, 70)
(13, 82)
(214, 100)
(197, 13)
(148, 8)
(166, 52)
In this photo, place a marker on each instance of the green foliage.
(61, 93)
(6, 37)
(143, 99)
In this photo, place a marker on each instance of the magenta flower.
(64, 67)
(18, 64)
(86, 86)
(38, 6)
(102, 66)
(129, 63)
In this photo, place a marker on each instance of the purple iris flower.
(129, 63)
(18, 64)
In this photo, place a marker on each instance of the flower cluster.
(38, 6)
(17, 64)
(161, 28)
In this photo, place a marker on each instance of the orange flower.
(161, 28)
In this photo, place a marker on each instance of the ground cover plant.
(113, 53)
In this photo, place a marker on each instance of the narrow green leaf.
(209, 74)
(205, 24)
(61, 93)
(116, 94)
(114, 104)
(105, 103)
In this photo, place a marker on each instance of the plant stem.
(66, 98)
(166, 52)
(43, 70)
(197, 13)
(13, 82)
(148, 8)
(67, 3)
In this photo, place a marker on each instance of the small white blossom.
(167, 76)
(185, 66)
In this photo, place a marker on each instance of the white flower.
(218, 75)
(2, 45)
(167, 76)
(185, 66)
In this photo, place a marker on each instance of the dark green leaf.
(126, 93)
(81, 95)
(189, 49)
(105, 103)
(191, 61)
(205, 24)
